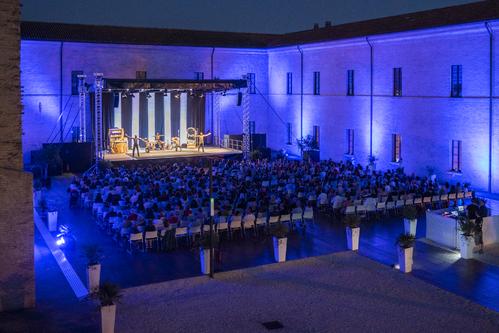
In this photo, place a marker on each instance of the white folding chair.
(136, 238)
(150, 238)
(350, 210)
(297, 216)
(181, 232)
(308, 214)
(273, 219)
(234, 225)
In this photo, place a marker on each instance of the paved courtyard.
(341, 292)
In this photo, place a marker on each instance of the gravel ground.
(342, 292)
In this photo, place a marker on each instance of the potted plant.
(405, 244)
(352, 223)
(204, 252)
(410, 214)
(52, 219)
(309, 148)
(371, 160)
(280, 240)
(93, 254)
(108, 295)
(467, 228)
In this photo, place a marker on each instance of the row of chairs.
(436, 201)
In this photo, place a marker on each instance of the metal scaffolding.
(246, 126)
(217, 121)
(99, 138)
(82, 110)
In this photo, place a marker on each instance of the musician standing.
(135, 141)
(201, 137)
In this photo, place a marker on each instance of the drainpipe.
(301, 90)
(212, 98)
(61, 123)
(370, 99)
(491, 95)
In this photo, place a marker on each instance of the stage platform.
(158, 155)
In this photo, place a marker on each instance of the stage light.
(177, 96)
(165, 92)
(132, 95)
(148, 95)
(224, 93)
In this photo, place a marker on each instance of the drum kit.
(174, 144)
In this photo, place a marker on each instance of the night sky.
(267, 16)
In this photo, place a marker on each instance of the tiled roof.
(474, 12)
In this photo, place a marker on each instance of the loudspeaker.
(239, 98)
(116, 100)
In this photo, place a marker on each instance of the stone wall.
(17, 287)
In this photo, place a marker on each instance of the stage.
(186, 153)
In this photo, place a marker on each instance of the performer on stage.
(201, 137)
(161, 144)
(135, 141)
(176, 143)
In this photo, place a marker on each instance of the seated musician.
(176, 143)
(159, 143)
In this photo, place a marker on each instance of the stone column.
(17, 279)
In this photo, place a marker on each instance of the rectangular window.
(350, 142)
(397, 81)
(141, 75)
(289, 83)
(251, 83)
(317, 83)
(456, 81)
(456, 156)
(74, 82)
(252, 127)
(199, 76)
(289, 132)
(350, 91)
(317, 136)
(396, 148)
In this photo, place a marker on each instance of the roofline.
(436, 18)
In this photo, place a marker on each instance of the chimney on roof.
(328, 24)
(316, 26)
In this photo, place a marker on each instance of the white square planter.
(108, 317)
(467, 246)
(204, 257)
(405, 259)
(410, 226)
(353, 238)
(280, 246)
(93, 278)
(52, 220)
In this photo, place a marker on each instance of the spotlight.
(148, 95)
(201, 95)
(224, 93)
(177, 96)
(165, 92)
(132, 95)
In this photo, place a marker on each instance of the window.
(316, 136)
(456, 156)
(252, 127)
(456, 81)
(397, 81)
(199, 76)
(141, 75)
(396, 148)
(289, 83)
(317, 83)
(74, 82)
(289, 131)
(251, 83)
(350, 91)
(350, 142)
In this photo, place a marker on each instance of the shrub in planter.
(280, 240)
(410, 214)
(352, 223)
(108, 295)
(467, 228)
(405, 247)
(93, 254)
